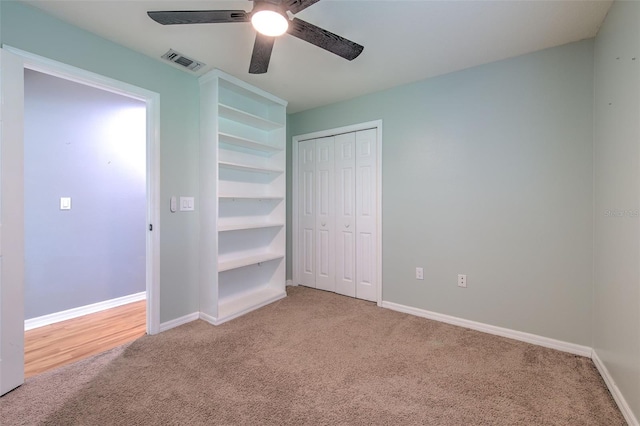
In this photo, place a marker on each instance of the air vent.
(180, 59)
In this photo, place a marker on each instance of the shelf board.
(240, 227)
(240, 116)
(245, 168)
(250, 197)
(239, 304)
(240, 87)
(247, 143)
(247, 261)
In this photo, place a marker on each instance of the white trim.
(208, 318)
(560, 345)
(239, 313)
(32, 323)
(178, 321)
(153, 214)
(68, 72)
(615, 392)
(290, 283)
(12, 218)
(152, 101)
(377, 124)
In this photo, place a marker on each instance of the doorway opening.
(12, 199)
(85, 213)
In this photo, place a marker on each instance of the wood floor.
(55, 345)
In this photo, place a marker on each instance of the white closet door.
(325, 229)
(366, 279)
(345, 208)
(306, 209)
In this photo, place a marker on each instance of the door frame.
(377, 124)
(14, 143)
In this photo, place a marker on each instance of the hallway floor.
(69, 341)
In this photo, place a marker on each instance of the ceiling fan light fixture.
(269, 22)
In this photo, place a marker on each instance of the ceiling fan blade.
(295, 6)
(324, 39)
(261, 54)
(199, 16)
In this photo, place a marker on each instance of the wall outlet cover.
(462, 280)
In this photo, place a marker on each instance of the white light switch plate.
(65, 203)
(187, 204)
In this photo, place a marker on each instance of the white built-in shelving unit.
(242, 197)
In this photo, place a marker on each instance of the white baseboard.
(290, 283)
(615, 392)
(492, 329)
(179, 321)
(32, 323)
(208, 318)
(222, 319)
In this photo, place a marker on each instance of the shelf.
(240, 227)
(247, 261)
(244, 168)
(239, 304)
(250, 197)
(240, 116)
(242, 174)
(247, 143)
(254, 93)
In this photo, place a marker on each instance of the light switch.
(187, 204)
(65, 203)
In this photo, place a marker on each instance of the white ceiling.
(404, 41)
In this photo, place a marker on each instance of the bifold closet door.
(345, 219)
(325, 229)
(306, 212)
(337, 214)
(366, 220)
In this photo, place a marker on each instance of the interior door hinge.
(150, 227)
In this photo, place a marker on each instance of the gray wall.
(616, 325)
(87, 144)
(34, 31)
(488, 172)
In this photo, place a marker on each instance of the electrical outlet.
(462, 280)
(419, 274)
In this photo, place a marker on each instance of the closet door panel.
(307, 216)
(345, 172)
(325, 229)
(366, 279)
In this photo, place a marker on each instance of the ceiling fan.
(270, 18)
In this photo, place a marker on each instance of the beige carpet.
(317, 358)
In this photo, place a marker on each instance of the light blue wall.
(87, 144)
(616, 325)
(29, 29)
(488, 172)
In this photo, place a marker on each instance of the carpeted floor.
(317, 358)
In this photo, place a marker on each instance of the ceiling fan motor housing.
(272, 5)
